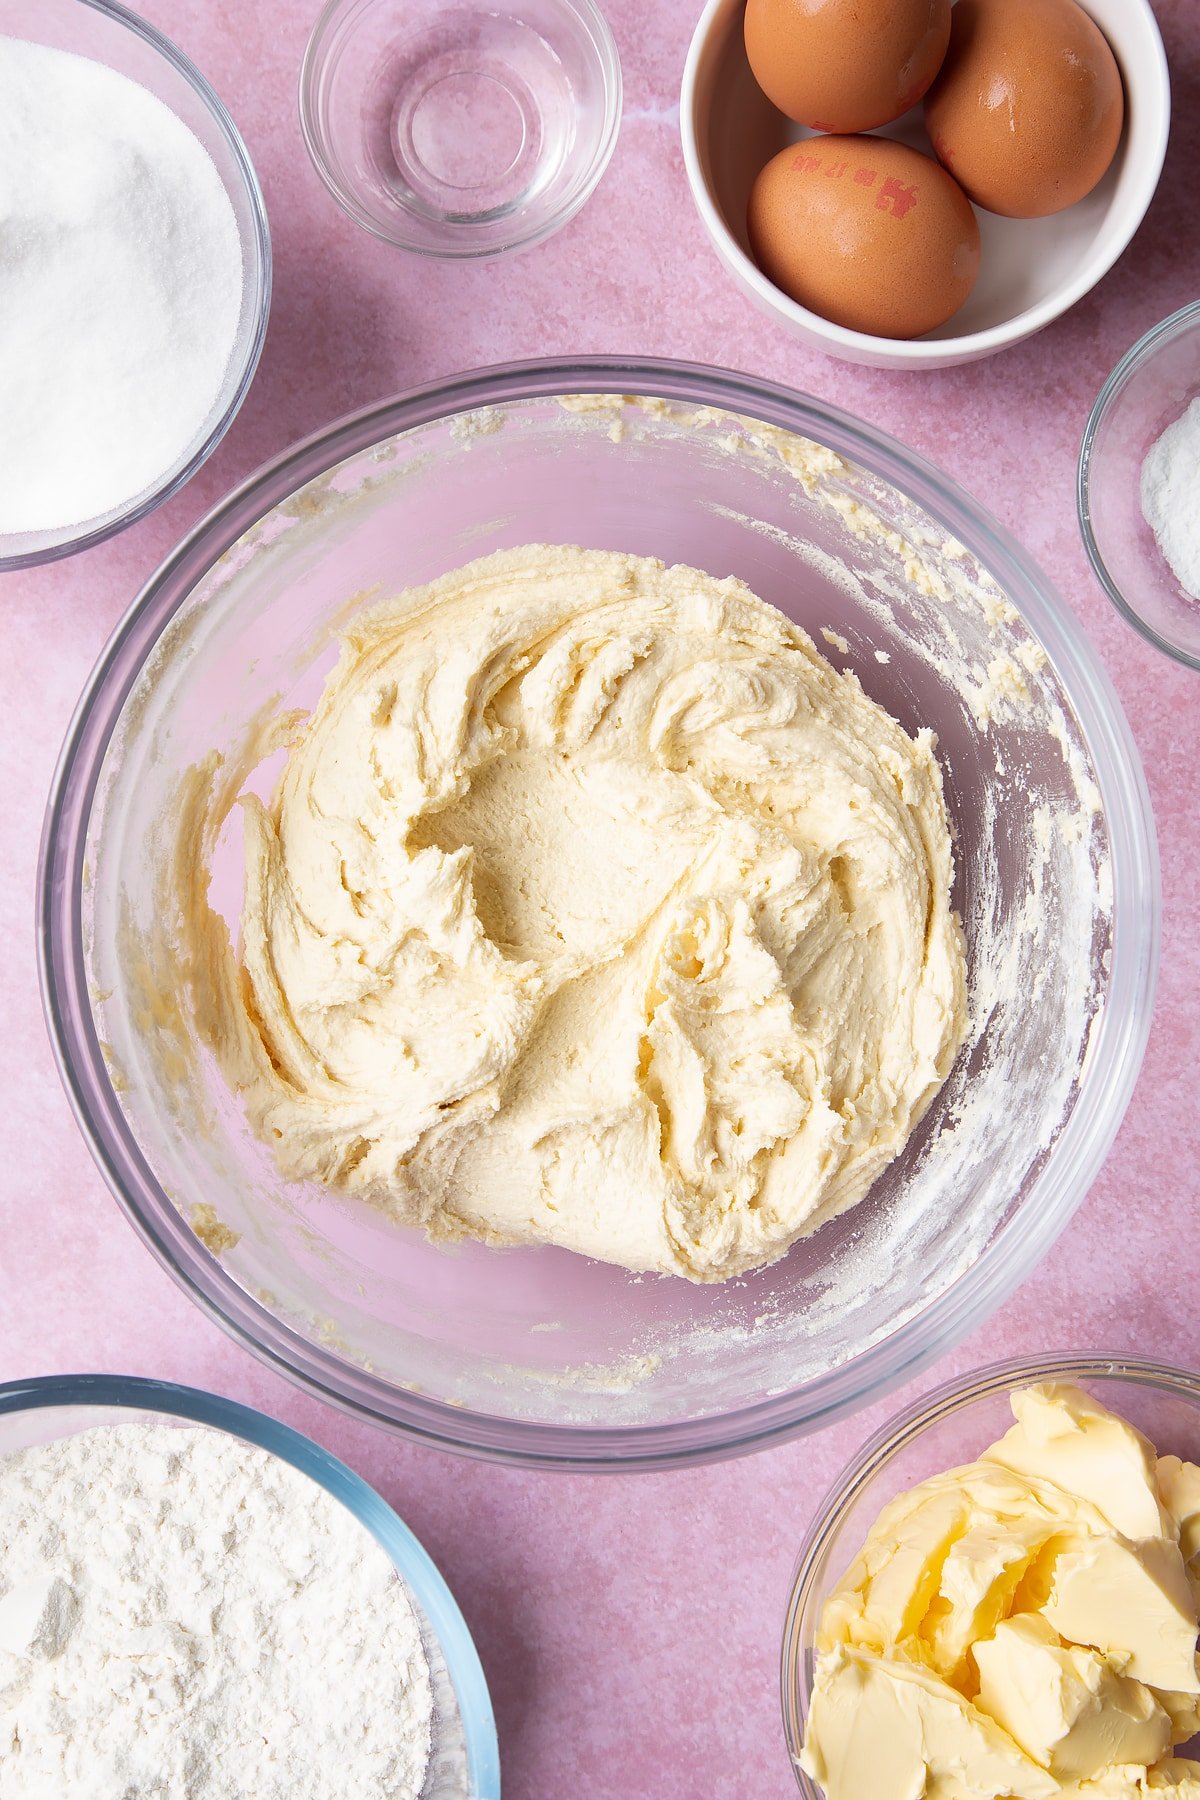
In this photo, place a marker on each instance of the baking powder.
(120, 289)
(185, 1617)
(1171, 497)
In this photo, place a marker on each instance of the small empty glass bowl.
(106, 33)
(460, 129)
(1149, 389)
(464, 1762)
(942, 1431)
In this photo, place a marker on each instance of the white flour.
(120, 289)
(184, 1617)
(1171, 497)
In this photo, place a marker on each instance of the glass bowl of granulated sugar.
(196, 1599)
(1139, 486)
(135, 273)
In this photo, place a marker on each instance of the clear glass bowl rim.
(312, 67)
(1166, 331)
(924, 1413)
(259, 275)
(408, 1555)
(1118, 1039)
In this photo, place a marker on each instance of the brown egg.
(845, 65)
(865, 232)
(1027, 111)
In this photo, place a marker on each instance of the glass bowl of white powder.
(194, 1597)
(135, 273)
(540, 1353)
(1139, 486)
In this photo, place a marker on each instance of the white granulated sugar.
(1171, 497)
(184, 1617)
(120, 289)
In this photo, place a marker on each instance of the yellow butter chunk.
(1025, 1625)
(974, 1531)
(1183, 1710)
(883, 1730)
(1133, 1601)
(1066, 1706)
(1064, 1436)
(1116, 1784)
(1179, 1490)
(1175, 1776)
(980, 1576)
(887, 1591)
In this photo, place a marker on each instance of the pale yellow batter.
(593, 908)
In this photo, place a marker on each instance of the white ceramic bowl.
(1033, 269)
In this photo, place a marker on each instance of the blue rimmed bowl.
(465, 1762)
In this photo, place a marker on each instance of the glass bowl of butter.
(1001, 1592)
(494, 1272)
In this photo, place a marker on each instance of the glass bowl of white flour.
(135, 273)
(1139, 486)
(195, 1598)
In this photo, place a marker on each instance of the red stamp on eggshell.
(895, 198)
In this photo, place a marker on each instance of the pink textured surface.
(629, 1627)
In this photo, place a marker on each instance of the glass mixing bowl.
(107, 33)
(537, 1355)
(464, 1763)
(942, 1431)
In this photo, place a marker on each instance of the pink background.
(629, 1626)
